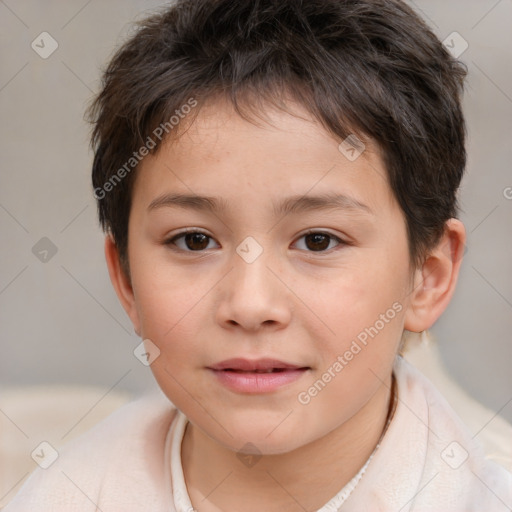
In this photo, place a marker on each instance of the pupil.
(317, 239)
(196, 238)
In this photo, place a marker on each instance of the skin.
(293, 303)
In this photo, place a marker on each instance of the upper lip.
(254, 365)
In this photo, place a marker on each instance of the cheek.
(357, 297)
(362, 314)
(357, 359)
(166, 301)
(170, 317)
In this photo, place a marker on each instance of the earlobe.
(121, 282)
(435, 281)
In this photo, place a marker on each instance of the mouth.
(266, 365)
(270, 370)
(258, 376)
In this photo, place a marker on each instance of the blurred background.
(60, 320)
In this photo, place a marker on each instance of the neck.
(303, 479)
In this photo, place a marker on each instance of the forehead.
(276, 154)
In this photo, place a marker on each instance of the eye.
(193, 241)
(319, 241)
(197, 241)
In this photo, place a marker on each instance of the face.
(270, 274)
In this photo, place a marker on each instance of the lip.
(246, 376)
(248, 365)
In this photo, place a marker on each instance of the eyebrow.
(293, 204)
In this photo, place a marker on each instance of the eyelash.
(171, 241)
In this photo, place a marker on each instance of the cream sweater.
(427, 462)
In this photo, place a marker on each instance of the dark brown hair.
(368, 67)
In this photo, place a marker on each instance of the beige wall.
(60, 320)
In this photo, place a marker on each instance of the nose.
(252, 296)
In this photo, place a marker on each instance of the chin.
(254, 446)
(260, 438)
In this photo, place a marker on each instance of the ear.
(121, 282)
(435, 281)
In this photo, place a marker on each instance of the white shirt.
(426, 462)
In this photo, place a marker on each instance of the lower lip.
(246, 382)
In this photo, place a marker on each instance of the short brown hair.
(366, 67)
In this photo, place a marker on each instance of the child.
(277, 180)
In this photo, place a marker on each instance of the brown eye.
(317, 241)
(194, 241)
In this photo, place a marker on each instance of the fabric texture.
(427, 461)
